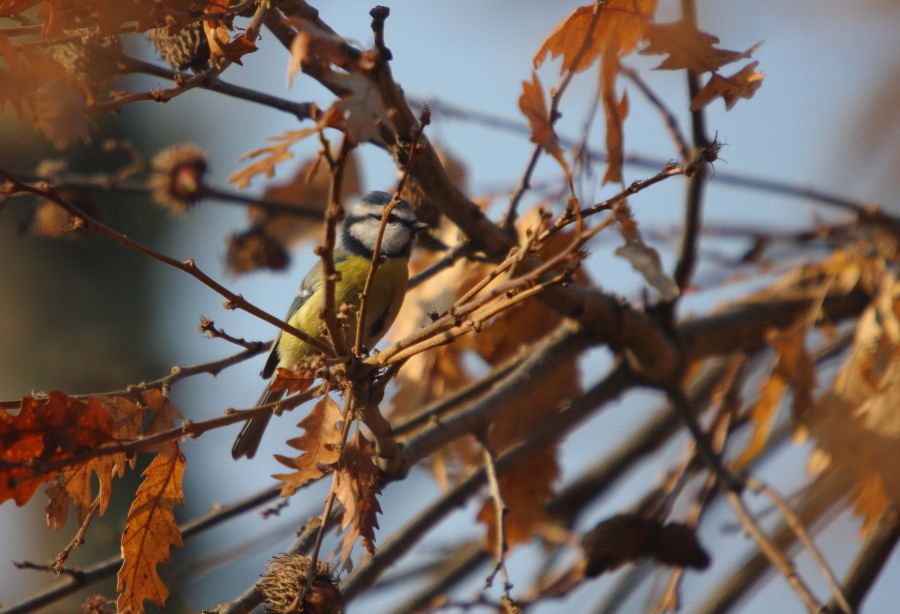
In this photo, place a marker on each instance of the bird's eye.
(393, 219)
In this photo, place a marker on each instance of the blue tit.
(355, 242)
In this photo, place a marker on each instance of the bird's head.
(362, 219)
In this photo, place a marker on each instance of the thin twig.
(865, 211)
(460, 250)
(300, 110)
(104, 183)
(693, 208)
(500, 512)
(794, 522)
(330, 499)
(78, 540)
(732, 487)
(209, 327)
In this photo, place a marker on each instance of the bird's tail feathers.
(249, 438)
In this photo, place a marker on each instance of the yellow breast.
(383, 305)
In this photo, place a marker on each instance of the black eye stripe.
(394, 219)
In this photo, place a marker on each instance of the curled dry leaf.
(320, 446)
(532, 104)
(855, 425)
(794, 367)
(627, 538)
(151, 531)
(742, 84)
(218, 37)
(357, 486)
(615, 112)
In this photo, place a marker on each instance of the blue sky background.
(823, 61)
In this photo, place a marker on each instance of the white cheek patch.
(396, 237)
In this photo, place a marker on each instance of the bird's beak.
(419, 227)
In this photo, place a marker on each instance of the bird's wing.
(310, 285)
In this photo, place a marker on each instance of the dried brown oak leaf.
(150, 532)
(320, 446)
(47, 430)
(357, 486)
(687, 47)
(856, 425)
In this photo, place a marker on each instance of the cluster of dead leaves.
(609, 31)
(357, 481)
(853, 424)
(59, 428)
(57, 74)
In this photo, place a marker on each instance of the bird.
(354, 244)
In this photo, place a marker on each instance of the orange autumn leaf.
(742, 84)
(532, 104)
(150, 532)
(221, 46)
(357, 484)
(619, 27)
(689, 48)
(793, 368)
(291, 381)
(320, 445)
(75, 483)
(51, 429)
(269, 157)
(855, 425)
(615, 112)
